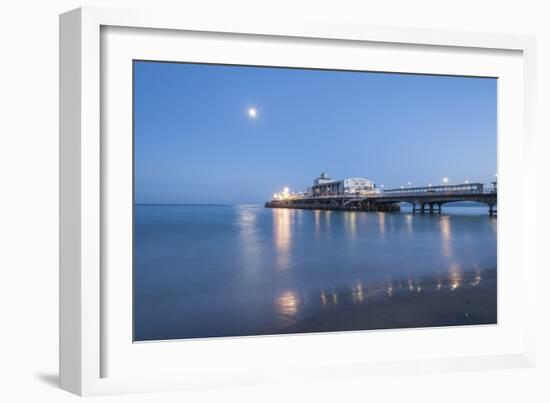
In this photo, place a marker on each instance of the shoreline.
(409, 304)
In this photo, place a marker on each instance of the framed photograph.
(250, 202)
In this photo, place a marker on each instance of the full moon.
(252, 112)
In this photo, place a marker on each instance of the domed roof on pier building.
(323, 178)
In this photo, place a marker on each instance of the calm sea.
(206, 271)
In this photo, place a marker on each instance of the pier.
(424, 200)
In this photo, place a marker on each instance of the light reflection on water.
(455, 276)
(381, 223)
(409, 223)
(445, 225)
(282, 234)
(287, 306)
(350, 220)
(357, 293)
(328, 215)
(288, 302)
(206, 271)
(317, 217)
(247, 223)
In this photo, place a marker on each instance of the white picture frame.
(96, 355)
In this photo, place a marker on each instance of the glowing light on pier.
(252, 113)
(285, 194)
(445, 180)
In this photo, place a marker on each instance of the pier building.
(325, 186)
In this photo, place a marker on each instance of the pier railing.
(463, 189)
(466, 188)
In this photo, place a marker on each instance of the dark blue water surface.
(206, 271)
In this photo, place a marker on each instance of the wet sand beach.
(472, 300)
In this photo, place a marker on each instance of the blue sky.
(195, 143)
